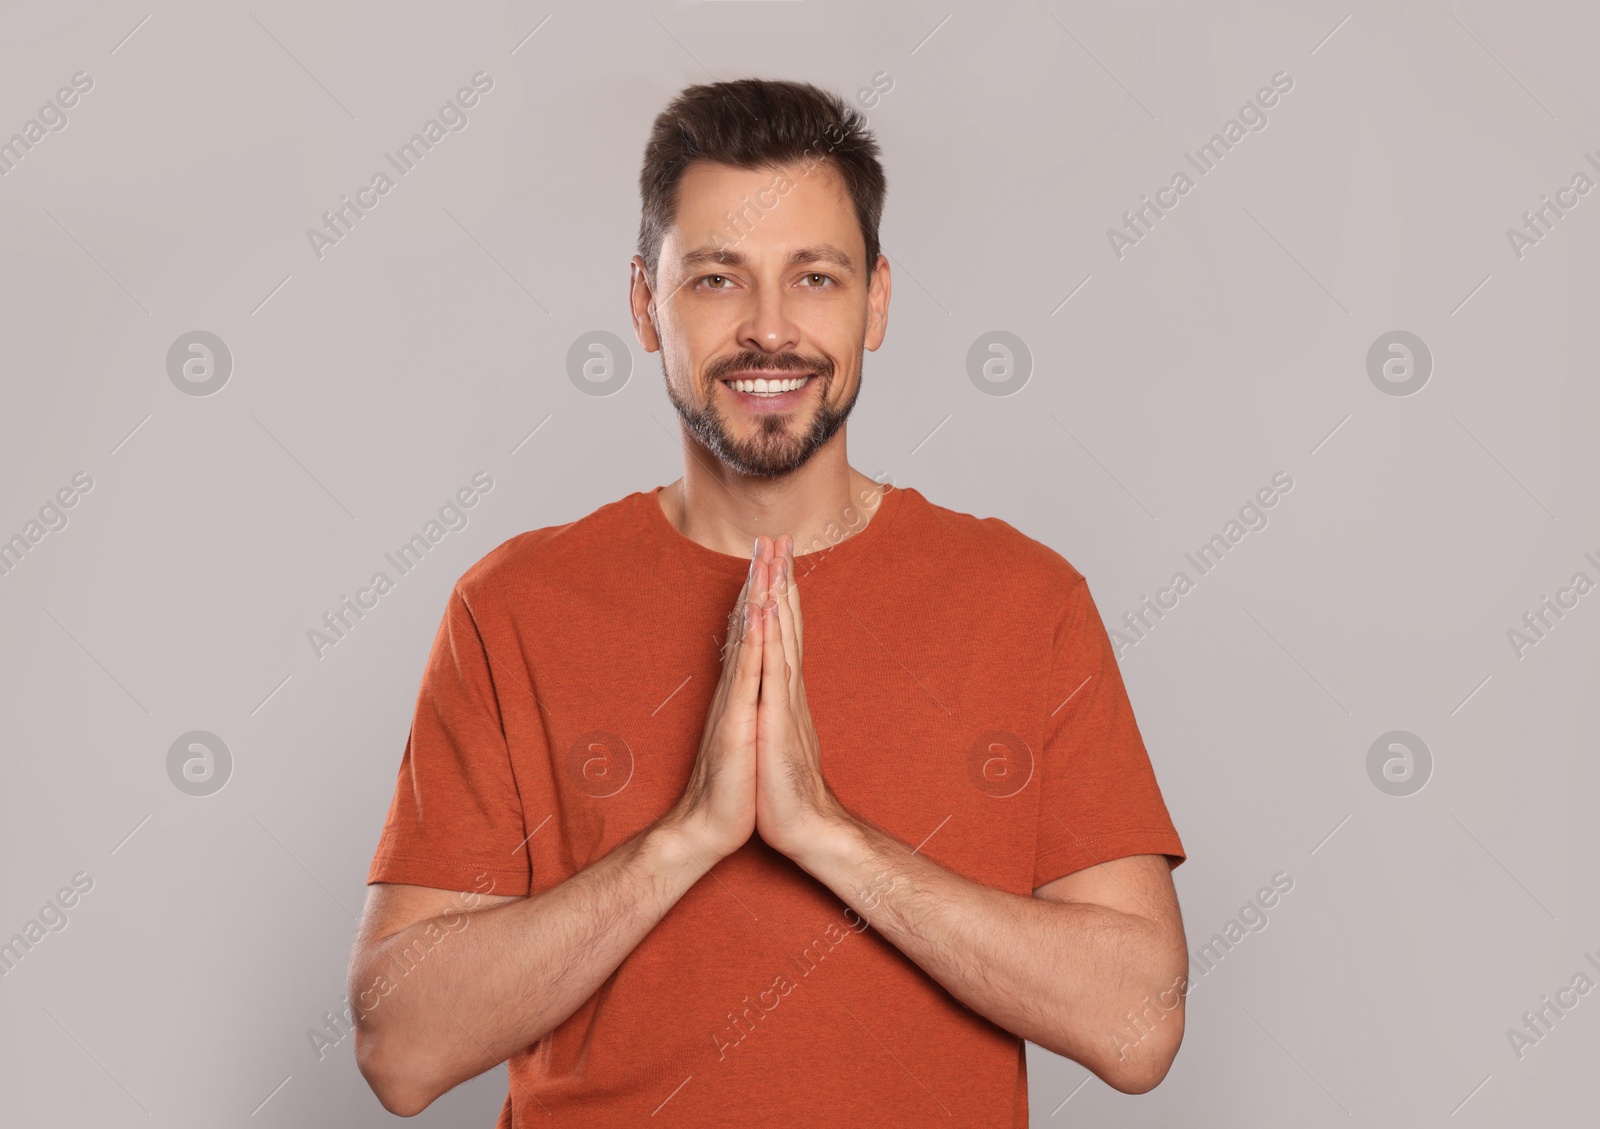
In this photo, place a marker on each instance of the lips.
(769, 401)
(757, 383)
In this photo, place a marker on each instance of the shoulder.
(531, 562)
(1013, 562)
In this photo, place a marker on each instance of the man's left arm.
(1091, 967)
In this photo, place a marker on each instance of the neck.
(819, 505)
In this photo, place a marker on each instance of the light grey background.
(431, 342)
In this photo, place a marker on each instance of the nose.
(767, 326)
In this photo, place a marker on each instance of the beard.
(782, 442)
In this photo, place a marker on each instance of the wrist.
(826, 842)
(681, 843)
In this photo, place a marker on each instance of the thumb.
(774, 678)
(748, 676)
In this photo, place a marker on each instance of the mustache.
(769, 362)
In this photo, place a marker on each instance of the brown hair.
(754, 123)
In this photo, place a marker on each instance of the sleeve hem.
(449, 874)
(1069, 858)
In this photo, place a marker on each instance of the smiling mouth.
(774, 385)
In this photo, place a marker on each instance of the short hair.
(754, 123)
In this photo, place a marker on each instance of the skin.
(1063, 968)
(813, 313)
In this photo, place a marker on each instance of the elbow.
(1139, 1079)
(1140, 1068)
(399, 1086)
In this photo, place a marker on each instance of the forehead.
(774, 207)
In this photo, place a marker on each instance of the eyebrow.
(728, 257)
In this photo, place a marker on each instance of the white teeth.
(763, 386)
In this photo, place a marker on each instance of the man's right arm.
(512, 969)
(505, 974)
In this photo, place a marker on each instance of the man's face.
(762, 278)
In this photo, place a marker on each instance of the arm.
(505, 974)
(1091, 967)
(1084, 968)
(513, 969)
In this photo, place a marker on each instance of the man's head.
(758, 259)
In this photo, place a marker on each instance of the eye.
(707, 279)
(814, 275)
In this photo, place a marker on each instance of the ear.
(642, 303)
(878, 305)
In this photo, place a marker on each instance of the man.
(822, 860)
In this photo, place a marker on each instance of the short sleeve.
(456, 818)
(1099, 798)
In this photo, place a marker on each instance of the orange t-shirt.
(966, 698)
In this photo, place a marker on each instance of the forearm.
(1063, 975)
(493, 981)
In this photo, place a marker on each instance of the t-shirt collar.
(825, 557)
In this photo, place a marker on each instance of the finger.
(747, 667)
(765, 546)
(797, 624)
(738, 620)
(784, 598)
(774, 675)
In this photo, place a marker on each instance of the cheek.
(845, 381)
(677, 353)
(691, 332)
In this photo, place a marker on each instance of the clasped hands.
(759, 767)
